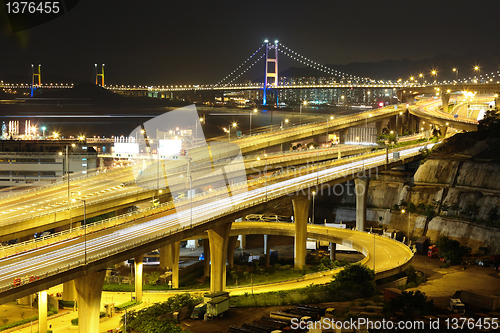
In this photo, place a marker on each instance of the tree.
(490, 123)
(153, 320)
(354, 280)
(451, 250)
(410, 304)
(235, 277)
(153, 277)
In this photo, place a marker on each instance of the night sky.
(152, 42)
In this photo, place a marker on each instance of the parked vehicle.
(433, 251)
(217, 306)
(422, 244)
(199, 311)
(456, 306)
(489, 302)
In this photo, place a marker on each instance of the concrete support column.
(301, 213)
(231, 246)
(380, 126)
(243, 241)
(267, 250)
(497, 99)
(206, 254)
(399, 124)
(392, 123)
(333, 250)
(69, 292)
(361, 190)
(42, 311)
(88, 291)
(138, 265)
(170, 261)
(445, 99)
(218, 238)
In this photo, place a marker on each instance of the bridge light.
(266, 40)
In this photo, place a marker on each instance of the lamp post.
(434, 73)
(327, 127)
(422, 77)
(476, 69)
(409, 218)
(373, 252)
(43, 131)
(456, 73)
(281, 135)
(300, 117)
(228, 131)
(190, 187)
(338, 101)
(85, 226)
(250, 114)
(314, 194)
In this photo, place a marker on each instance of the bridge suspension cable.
(255, 62)
(241, 65)
(315, 65)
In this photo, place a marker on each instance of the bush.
(127, 305)
(451, 250)
(353, 281)
(411, 304)
(17, 323)
(151, 320)
(66, 304)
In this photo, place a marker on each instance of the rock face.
(464, 174)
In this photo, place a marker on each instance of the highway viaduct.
(88, 278)
(61, 216)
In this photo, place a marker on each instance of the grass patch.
(127, 305)
(308, 295)
(18, 323)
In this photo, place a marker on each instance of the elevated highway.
(65, 260)
(33, 211)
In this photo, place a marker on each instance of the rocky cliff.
(455, 192)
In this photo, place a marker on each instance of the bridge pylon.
(271, 75)
(38, 78)
(101, 75)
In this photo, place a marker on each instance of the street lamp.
(300, 117)
(314, 194)
(409, 218)
(43, 130)
(327, 127)
(250, 114)
(476, 69)
(422, 77)
(456, 73)
(85, 226)
(281, 135)
(434, 73)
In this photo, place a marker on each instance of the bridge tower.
(271, 75)
(97, 74)
(38, 78)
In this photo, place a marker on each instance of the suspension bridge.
(264, 61)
